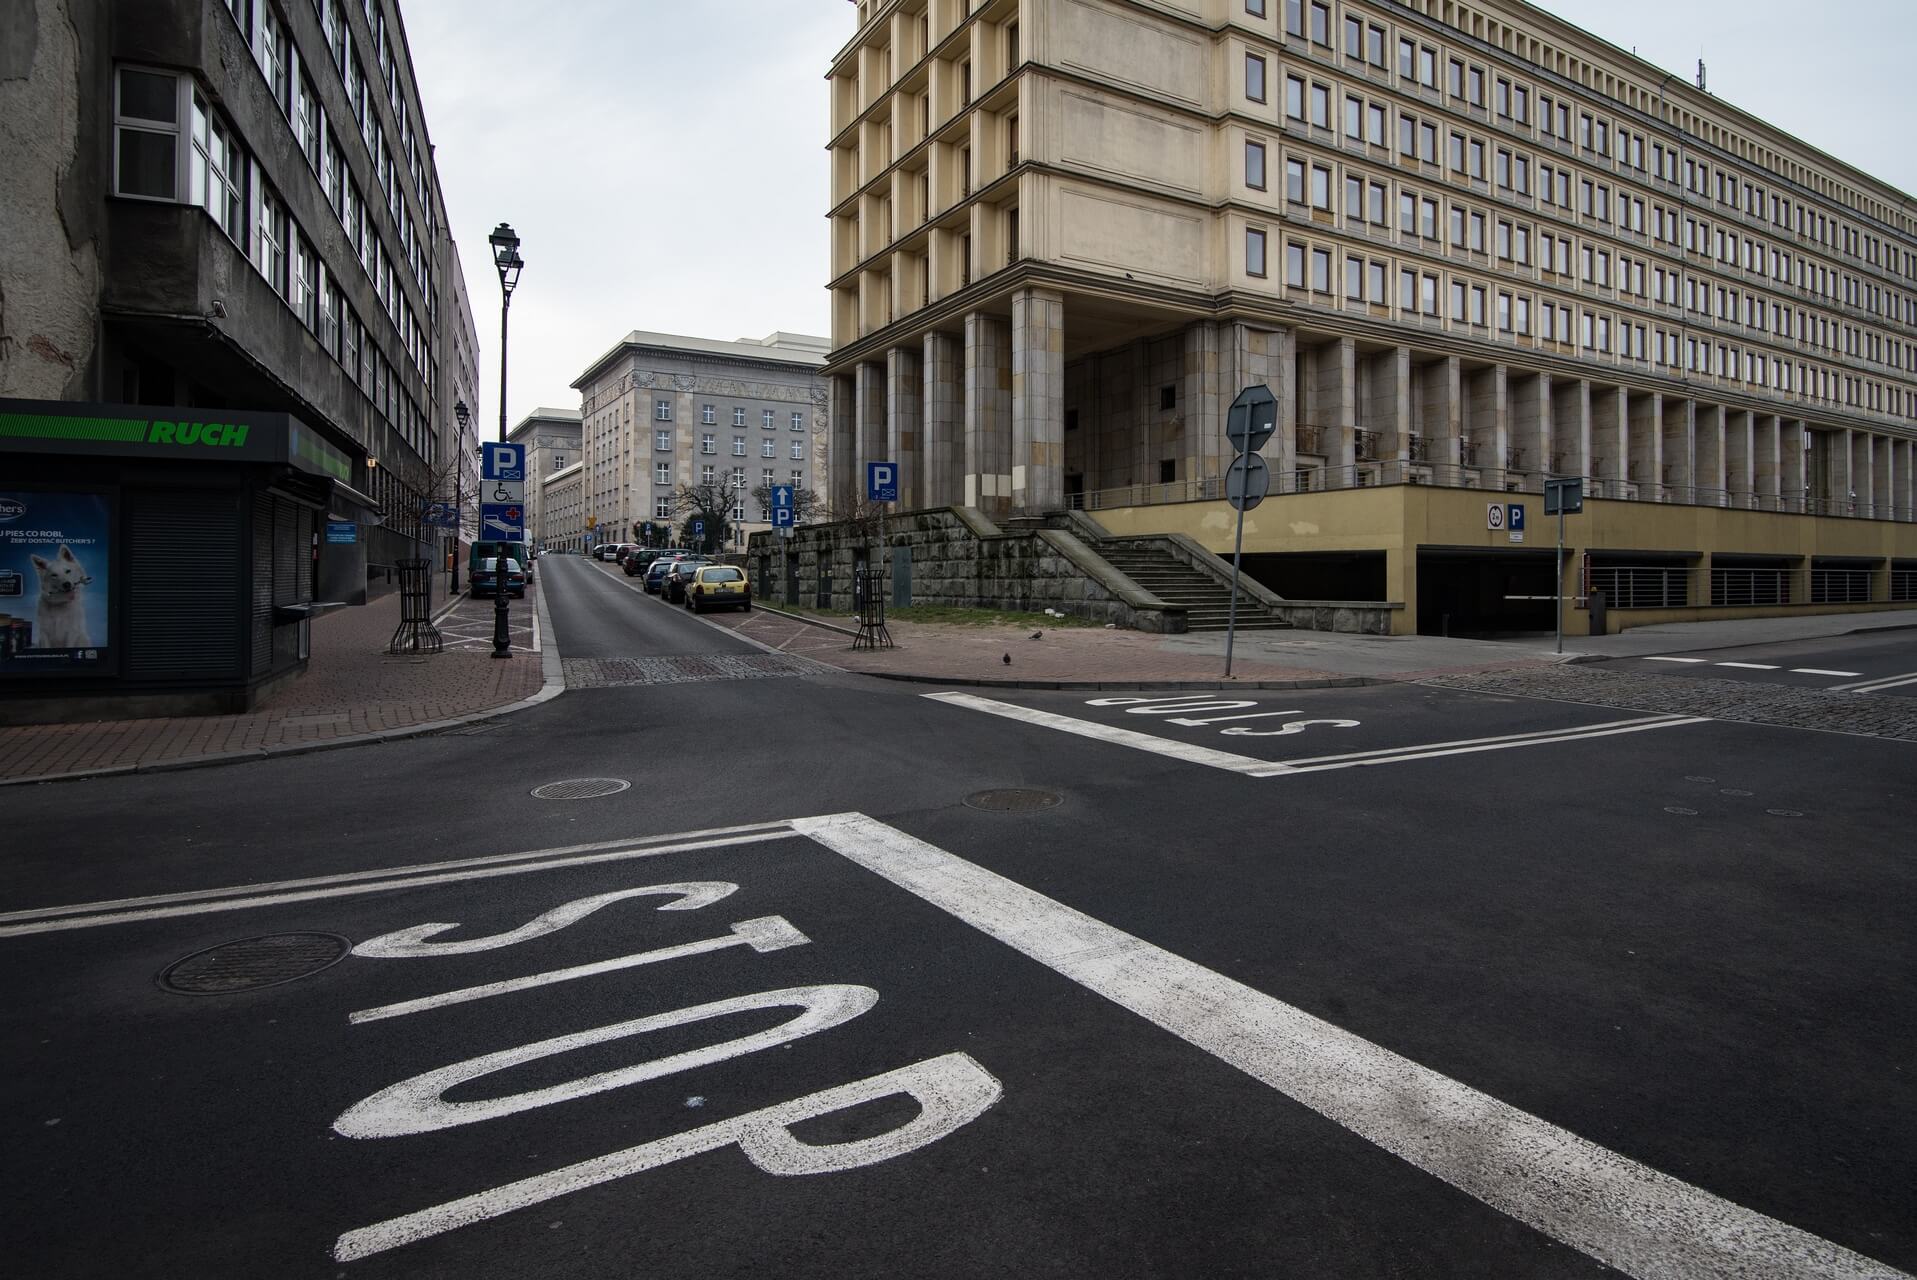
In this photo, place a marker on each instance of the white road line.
(1820, 671)
(1518, 739)
(1252, 766)
(347, 877)
(1694, 660)
(1750, 666)
(768, 933)
(1190, 753)
(1877, 684)
(1614, 1209)
(381, 886)
(1433, 752)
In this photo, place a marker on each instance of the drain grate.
(580, 789)
(1012, 800)
(252, 963)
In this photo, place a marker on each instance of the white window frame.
(177, 130)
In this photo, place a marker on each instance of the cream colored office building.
(660, 411)
(1467, 246)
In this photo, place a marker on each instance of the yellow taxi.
(718, 586)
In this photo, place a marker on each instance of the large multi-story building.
(662, 411)
(462, 417)
(1468, 246)
(562, 510)
(229, 322)
(233, 204)
(551, 437)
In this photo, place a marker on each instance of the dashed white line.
(1699, 661)
(1750, 666)
(1878, 684)
(1820, 671)
(1635, 1218)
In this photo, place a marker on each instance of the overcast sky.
(664, 162)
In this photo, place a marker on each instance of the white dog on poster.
(61, 622)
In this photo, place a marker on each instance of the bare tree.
(711, 502)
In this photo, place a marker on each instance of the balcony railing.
(1367, 444)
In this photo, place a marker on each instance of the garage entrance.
(1475, 591)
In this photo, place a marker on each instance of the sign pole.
(1231, 615)
(1558, 568)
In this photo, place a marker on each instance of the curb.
(553, 684)
(810, 622)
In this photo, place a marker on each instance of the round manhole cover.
(1680, 811)
(1012, 800)
(581, 789)
(252, 963)
(1785, 813)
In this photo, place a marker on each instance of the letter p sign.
(882, 481)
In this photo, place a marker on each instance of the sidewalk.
(353, 691)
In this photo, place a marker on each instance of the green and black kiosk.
(160, 561)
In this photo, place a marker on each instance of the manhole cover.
(252, 963)
(1733, 791)
(581, 789)
(1680, 810)
(1012, 800)
(1692, 777)
(1785, 813)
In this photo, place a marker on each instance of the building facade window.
(707, 444)
(708, 414)
(798, 421)
(146, 135)
(798, 449)
(218, 172)
(1254, 77)
(738, 446)
(1255, 165)
(738, 416)
(662, 410)
(662, 439)
(1254, 252)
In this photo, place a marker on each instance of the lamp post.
(464, 415)
(509, 264)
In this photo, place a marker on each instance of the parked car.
(605, 551)
(674, 588)
(485, 578)
(656, 573)
(623, 550)
(718, 586)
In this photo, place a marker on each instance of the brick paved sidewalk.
(352, 688)
(959, 652)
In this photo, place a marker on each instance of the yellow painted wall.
(1397, 519)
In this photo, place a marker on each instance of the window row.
(709, 414)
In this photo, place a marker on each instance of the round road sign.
(1247, 482)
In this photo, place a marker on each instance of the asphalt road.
(1392, 981)
(1867, 658)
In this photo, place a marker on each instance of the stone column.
(1386, 410)
(844, 463)
(869, 409)
(1487, 423)
(1707, 434)
(1038, 400)
(1864, 472)
(1267, 358)
(904, 430)
(1881, 473)
(1645, 419)
(1766, 460)
(1206, 390)
(1740, 458)
(1528, 398)
(1843, 472)
(1571, 428)
(1792, 479)
(1678, 430)
(1331, 404)
(988, 415)
(1440, 414)
(942, 439)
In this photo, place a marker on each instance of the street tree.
(711, 502)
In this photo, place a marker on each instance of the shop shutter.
(183, 584)
(261, 569)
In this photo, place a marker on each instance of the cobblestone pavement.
(605, 673)
(352, 687)
(1751, 703)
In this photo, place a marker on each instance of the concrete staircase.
(1206, 601)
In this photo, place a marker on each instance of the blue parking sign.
(882, 481)
(782, 517)
(1514, 518)
(499, 461)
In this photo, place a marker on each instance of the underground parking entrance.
(1485, 591)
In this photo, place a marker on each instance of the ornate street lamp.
(464, 415)
(509, 264)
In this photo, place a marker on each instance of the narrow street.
(854, 978)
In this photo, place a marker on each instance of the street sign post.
(1562, 498)
(784, 511)
(501, 461)
(1250, 422)
(1252, 419)
(782, 517)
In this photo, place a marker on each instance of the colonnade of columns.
(978, 418)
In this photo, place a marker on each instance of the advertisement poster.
(55, 585)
